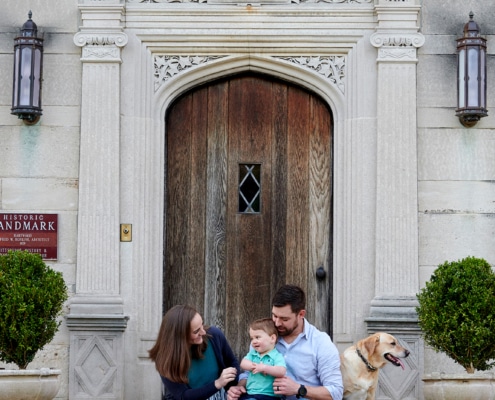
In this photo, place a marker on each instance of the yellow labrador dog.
(360, 364)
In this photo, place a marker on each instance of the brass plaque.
(126, 232)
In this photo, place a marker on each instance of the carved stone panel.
(96, 369)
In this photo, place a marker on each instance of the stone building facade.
(411, 187)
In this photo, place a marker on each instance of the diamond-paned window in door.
(249, 188)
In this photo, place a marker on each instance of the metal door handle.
(321, 273)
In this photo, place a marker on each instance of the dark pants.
(259, 397)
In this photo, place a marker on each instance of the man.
(313, 363)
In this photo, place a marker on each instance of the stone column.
(396, 262)
(96, 319)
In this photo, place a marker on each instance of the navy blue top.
(225, 358)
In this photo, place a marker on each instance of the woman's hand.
(235, 392)
(227, 375)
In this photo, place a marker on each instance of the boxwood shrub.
(457, 312)
(31, 298)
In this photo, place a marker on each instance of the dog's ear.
(370, 343)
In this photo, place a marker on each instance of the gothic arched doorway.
(248, 201)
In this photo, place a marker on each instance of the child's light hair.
(264, 324)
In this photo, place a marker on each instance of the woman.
(194, 362)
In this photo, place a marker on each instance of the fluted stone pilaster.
(396, 260)
(96, 320)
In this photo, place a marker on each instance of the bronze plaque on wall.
(36, 233)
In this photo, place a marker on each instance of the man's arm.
(318, 369)
(318, 393)
(328, 359)
(288, 387)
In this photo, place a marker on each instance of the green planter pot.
(29, 384)
(478, 386)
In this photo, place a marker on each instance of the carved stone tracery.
(331, 67)
(166, 67)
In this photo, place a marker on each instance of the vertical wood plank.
(279, 186)
(216, 205)
(298, 187)
(319, 213)
(194, 271)
(178, 195)
(235, 312)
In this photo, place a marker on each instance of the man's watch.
(302, 392)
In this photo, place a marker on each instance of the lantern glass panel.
(462, 78)
(482, 79)
(25, 84)
(36, 78)
(473, 82)
(16, 77)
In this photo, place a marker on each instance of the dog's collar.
(368, 365)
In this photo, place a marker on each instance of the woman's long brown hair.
(172, 351)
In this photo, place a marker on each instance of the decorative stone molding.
(166, 67)
(255, 1)
(101, 2)
(395, 2)
(97, 322)
(397, 54)
(102, 39)
(332, 67)
(100, 46)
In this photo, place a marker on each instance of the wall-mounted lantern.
(471, 75)
(28, 66)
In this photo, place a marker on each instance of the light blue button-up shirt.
(313, 360)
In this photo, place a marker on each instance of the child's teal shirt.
(263, 383)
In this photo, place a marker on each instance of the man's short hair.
(291, 295)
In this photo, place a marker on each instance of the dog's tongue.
(398, 360)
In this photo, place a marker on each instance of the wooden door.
(227, 247)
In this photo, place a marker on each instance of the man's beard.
(287, 331)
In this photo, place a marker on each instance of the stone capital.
(118, 39)
(101, 46)
(397, 46)
(397, 39)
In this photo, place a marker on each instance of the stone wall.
(456, 167)
(39, 164)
